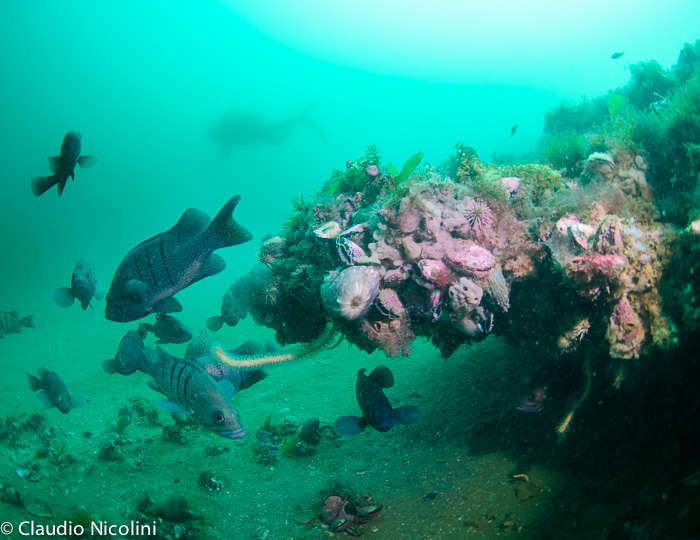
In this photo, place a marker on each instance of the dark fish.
(63, 166)
(548, 385)
(377, 412)
(158, 268)
(10, 323)
(201, 352)
(246, 128)
(513, 130)
(617, 55)
(84, 286)
(53, 392)
(189, 389)
(231, 312)
(168, 329)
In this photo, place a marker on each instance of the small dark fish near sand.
(548, 385)
(168, 329)
(189, 389)
(53, 392)
(158, 268)
(84, 285)
(377, 412)
(617, 55)
(201, 352)
(63, 166)
(11, 323)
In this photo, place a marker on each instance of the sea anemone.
(351, 293)
(478, 215)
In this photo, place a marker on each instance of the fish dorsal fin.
(272, 346)
(383, 376)
(199, 346)
(136, 290)
(192, 223)
(15, 313)
(227, 388)
(249, 347)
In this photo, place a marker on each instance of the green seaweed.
(408, 169)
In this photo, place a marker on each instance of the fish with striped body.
(11, 323)
(84, 286)
(154, 271)
(189, 389)
(201, 352)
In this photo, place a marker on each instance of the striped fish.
(155, 270)
(10, 322)
(189, 389)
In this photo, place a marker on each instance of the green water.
(144, 82)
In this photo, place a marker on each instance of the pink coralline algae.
(372, 170)
(478, 215)
(510, 183)
(625, 331)
(596, 265)
(472, 260)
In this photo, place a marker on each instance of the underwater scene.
(305, 270)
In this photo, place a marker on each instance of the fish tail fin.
(130, 358)
(229, 231)
(41, 184)
(29, 321)
(63, 297)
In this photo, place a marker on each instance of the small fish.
(513, 130)
(168, 329)
(53, 392)
(84, 285)
(201, 352)
(548, 385)
(63, 166)
(158, 268)
(189, 389)
(617, 55)
(10, 322)
(377, 412)
(231, 312)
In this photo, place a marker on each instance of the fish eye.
(219, 417)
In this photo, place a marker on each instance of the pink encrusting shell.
(510, 183)
(472, 260)
(351, 293)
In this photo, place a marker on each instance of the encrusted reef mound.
(436, 253)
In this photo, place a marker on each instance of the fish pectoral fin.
(172, 407)
(215, 323)
(63, 297)
(227, 388)
(86, 162)
(100, 290)
(347, 426)
(76, 400)
(407, 415)
(54, 163)
(167, 305)
(212, 266)
(136, 290)
(44, 399)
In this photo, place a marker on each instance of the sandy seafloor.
(466, 449)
